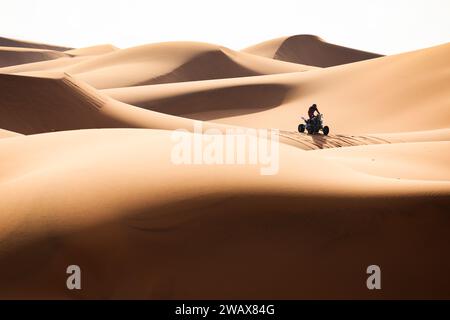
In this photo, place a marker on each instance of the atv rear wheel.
(326, 130)
(301, 128)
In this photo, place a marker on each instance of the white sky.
(383, 26)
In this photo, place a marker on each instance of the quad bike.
(313, 125)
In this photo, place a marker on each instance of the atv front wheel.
(326, 130)
(301, 128)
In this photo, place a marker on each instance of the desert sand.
(87, 177)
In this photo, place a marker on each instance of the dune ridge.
(8, 42)
(92, 50)
(310, 50)
(52, 103)
(59, 102)
(166, 62)
(206, 99)
(56, 65)
(173, 62)
(10, 56)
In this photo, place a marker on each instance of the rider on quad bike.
(311, 111)
(315, 122)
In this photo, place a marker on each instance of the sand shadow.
(318, 140)
(233, 100)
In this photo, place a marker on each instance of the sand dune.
(57, 102)
(51, 103)
(56, 65)
(207, 100)
(164, 239)
(173, 62)
(65, 59)
(342, 93)
(7, 42)
(13, 56)
(310, 50)
(87, 175)
(93, 50)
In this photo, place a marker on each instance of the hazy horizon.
(379, 26)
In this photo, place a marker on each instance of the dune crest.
(60, 102)
(8, 42)
(170, 62)
(310, 50)
(93, 50)
(207, 100)
(10, 56)
(56, 65)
